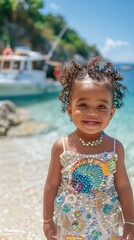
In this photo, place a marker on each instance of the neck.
(91, 143)
(88, 137)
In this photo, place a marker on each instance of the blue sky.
(106, 23)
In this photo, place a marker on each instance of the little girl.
(87, 190)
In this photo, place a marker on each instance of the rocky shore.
(16, 121)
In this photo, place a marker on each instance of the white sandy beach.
(22, 176)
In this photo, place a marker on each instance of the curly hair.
(99, 72)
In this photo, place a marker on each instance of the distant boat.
(23, 73)
(126, 67)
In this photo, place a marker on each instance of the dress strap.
(114, 145)
(63, 143)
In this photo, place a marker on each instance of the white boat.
(23, 73)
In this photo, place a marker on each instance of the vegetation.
(22, 23)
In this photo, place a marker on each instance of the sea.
(24, 161)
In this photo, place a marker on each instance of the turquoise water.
(121, 127)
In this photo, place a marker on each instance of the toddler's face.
(91, 107)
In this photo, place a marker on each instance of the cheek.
(109, 116)
(76, 114)
(106, 115)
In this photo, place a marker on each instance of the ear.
(69, 110)
(112, 112)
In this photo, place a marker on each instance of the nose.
(91, 110)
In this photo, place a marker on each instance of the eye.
(82, 105)
(102, 107)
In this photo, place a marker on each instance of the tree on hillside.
(21, 23)
(24, 12)
(12, 8)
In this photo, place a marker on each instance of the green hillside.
(22, 23)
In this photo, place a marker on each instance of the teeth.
(92, 123)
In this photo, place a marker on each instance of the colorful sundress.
(87, 205)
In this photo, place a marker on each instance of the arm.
(124, 191)
(51, 186)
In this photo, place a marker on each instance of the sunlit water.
(24, 162)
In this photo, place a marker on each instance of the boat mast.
(56, 42)
(52, 49)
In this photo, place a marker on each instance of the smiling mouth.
(92, 123)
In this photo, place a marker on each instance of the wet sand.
(22, 176)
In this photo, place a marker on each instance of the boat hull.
(13, 90)
(24, 89)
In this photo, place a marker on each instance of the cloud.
(110, 44)
(115, 50)
(54, 6)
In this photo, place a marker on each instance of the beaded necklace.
(90, 143)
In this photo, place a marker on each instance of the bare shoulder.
(57, 147)
(56, 151)
(119, 148)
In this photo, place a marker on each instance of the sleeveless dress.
(87, 205)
